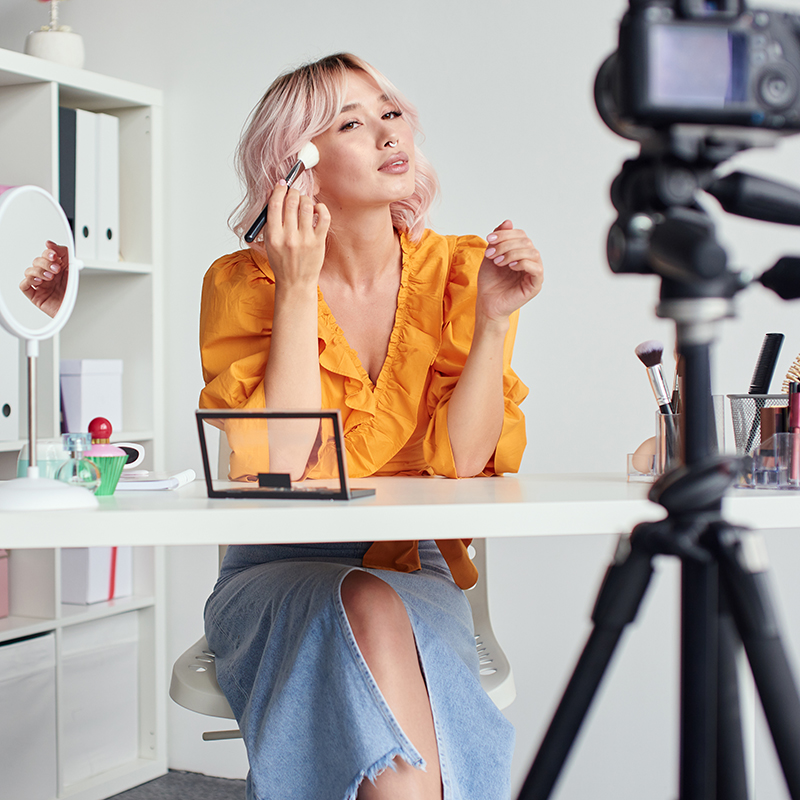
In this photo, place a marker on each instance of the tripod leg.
(731, 773)
(623, 588)
(699, 652)
(743, 567)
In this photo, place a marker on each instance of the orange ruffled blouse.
(397, 426)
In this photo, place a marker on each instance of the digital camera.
(702, 62)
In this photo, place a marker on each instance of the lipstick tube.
(794, 429)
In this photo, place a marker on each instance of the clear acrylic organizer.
(774, 464)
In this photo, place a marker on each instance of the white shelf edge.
(18, 627)
(11, 445)
(29, 69)
(133, 436)
(116, 268)
(74, 614)
(145, 435)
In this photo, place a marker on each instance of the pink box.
(3, 583)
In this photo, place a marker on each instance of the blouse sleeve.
(458, 330)
(236, 314)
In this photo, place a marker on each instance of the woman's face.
(366, 158)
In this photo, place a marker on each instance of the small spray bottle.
(77, 470)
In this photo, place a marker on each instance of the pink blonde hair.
(300, 105)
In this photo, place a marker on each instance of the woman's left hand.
(511, 273)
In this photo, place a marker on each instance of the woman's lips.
(396, 164)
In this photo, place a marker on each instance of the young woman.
(351, 668)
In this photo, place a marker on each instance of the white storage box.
(28, 733)
(99, 696)
(91, 387)
(95, 574)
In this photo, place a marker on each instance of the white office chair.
(194, 675)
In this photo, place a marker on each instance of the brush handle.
(660, 390)
(261, 219)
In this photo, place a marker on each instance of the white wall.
(505, 94)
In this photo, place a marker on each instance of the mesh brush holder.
(746, 418)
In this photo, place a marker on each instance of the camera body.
(707, 62)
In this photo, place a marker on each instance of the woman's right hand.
(294, 236)
(45, 281)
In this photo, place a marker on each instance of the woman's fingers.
(295, 235)
(506, 253)
(60, 252)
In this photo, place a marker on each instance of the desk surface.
(403, 508)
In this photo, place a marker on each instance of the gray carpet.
(185, 786)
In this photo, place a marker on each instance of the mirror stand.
(33, 492)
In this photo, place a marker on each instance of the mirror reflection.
(29, 223)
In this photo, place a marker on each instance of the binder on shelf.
(107, 187)
(89, 181)
(9, 387)
(78, 177)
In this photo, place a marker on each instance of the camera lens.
(777, 88)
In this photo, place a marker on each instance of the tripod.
(724, 593)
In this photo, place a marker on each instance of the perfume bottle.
(78, 470)
(109, 458)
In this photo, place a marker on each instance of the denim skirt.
(313, 719)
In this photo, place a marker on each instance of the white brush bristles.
(650, 352)
(309, 155)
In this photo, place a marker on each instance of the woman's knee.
(375, 611)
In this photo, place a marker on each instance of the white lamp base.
(43, 494)
(63, 47)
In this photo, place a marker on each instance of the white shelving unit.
(118, 315)
(119, 308)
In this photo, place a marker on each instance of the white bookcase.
(118, 315)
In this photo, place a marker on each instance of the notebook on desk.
(276, 455)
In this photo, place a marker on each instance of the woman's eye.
(349, 126)
(393, 114)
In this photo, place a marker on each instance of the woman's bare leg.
(384, 635)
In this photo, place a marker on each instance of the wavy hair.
(298, 106)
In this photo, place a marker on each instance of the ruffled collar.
(383, 417)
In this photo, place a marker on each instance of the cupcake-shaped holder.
(109, 459)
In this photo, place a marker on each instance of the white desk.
(527, 505)
(541, 622)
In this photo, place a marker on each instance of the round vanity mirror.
(29, 218)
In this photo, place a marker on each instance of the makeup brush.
(649, 353)
(306, 159)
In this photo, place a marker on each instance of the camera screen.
(696, 66)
